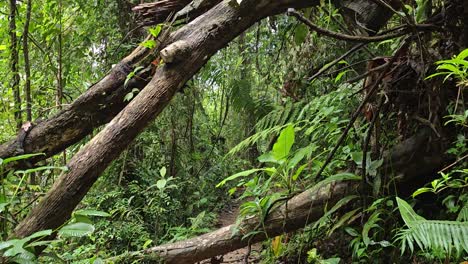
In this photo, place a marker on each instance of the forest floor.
(228, 217)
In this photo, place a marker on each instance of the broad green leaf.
(88, 212)
(15, 247)
(161, 184)
(283, 145)
(463, 55)
(76, 230)
(300, 34)
(154, 31)
(163, 171)
(407, 213)
(300, 154)
(128, 97)
(150, 44)
(421, 190)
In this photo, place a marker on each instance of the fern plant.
(431, 235)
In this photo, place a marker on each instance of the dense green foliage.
(251, 126)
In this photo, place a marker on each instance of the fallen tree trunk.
(302, 209)
(95, 107)
(299, 211)
(190, 47)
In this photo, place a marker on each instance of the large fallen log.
(302, 209)
(197, 42)
(97, 106)
(299, 211)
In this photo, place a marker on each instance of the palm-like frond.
(435, 235)
(448, 236)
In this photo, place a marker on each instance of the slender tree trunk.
(27, 68)
(14, 64)
(172, 163)
(27, 73)
(59, 94)
(190, 48)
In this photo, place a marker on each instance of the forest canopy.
(234, 131)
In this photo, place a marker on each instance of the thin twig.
(364, 75)
(333, 63)
(346, 37)
(359, 109)
(453, 164)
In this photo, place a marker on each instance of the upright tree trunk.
(173, 161)
(27, 68)
(59, 93)
(14, 64)
(27, 73)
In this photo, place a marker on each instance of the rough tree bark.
(96, 106)
(189, 49)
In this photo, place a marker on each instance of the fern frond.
(431, 234)
(435, 235)
(463, 214)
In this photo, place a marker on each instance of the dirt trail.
(227, 217)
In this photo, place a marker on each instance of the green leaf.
(15, 247)
(407, 213)
(298, 172)
(421, 190)
(87, 212)
(300, 154)
(154, 31)
(3, 206)
(147, 243)
(163, 171)
(463, 55)
(243, 174)
(21, 157)
(150, 44)
(128, 97)
(161, 184)
(340, 75)
(76, 230)
(300, 34)
(283, 145)
(42, 233)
